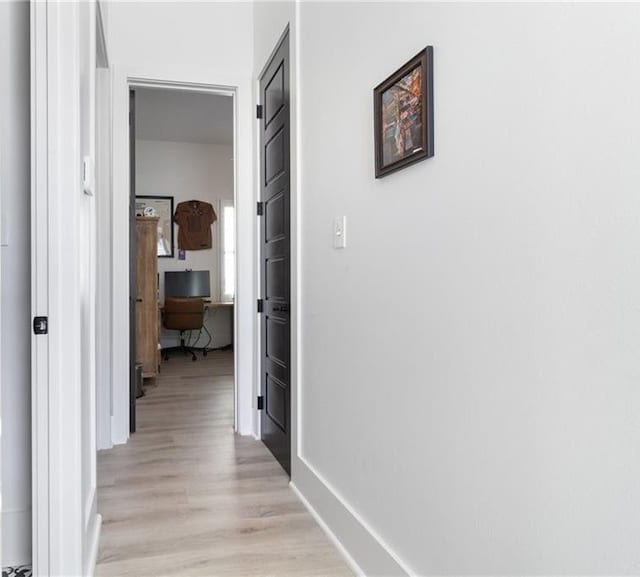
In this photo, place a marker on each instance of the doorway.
(182, 227)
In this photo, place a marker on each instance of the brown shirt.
(194, 218)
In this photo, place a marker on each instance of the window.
(228, 277)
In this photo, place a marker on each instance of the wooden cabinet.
(147, 328)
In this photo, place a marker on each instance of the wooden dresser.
(147, 329)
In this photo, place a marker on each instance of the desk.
(208, 303)
(217, 305)
(214, 307)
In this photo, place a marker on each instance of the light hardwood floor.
(186, 496)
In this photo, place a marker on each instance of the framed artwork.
(403, 115)
(161, 206)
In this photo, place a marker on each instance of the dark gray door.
(133, 291)
(275, 255)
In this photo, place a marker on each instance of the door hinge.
(260, 305)
(260, 208)
(260, 403)
(41, 325)
(259, 111)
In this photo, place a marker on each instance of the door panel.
(274, 157)
(277, 336)
(274, 94)
(275, 277)
(274, 217)
(276, 402)
(275, 261)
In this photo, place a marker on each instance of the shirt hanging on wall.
(194, 219)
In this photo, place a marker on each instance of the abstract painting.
(403, 106)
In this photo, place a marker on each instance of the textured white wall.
(190, 171)
(15, 359)
(470, 361)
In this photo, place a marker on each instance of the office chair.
(183, 314)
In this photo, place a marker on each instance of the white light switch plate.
(4, 232)
(340, 232)
(87, 175)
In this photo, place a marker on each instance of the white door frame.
(244, 200)
(2, 232)
(225, 91)
(40, 293)
(104, 206)
(65, 523)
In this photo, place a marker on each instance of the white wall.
(15, 375)
(188, 171)
(210, 43)
(474, 407)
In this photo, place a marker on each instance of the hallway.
(188, 497)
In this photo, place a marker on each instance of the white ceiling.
(181, 116)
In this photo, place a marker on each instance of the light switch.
(4, 232)
(87, 175)
(340, 232)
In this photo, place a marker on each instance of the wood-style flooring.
(188, 497)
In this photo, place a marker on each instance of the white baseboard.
(94, 545)
(16, 538)
(120, 432)
(332, 537)
(362, 547)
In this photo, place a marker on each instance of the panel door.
(275, 256)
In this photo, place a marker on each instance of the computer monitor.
(187, 283)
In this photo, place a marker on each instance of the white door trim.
(137, 82)
(104, 272)
(2, 230)
(40, 292)
(65, 523)
(140, 82)
(244, 200)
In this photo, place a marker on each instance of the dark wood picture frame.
(165, 209)
(425, 149)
